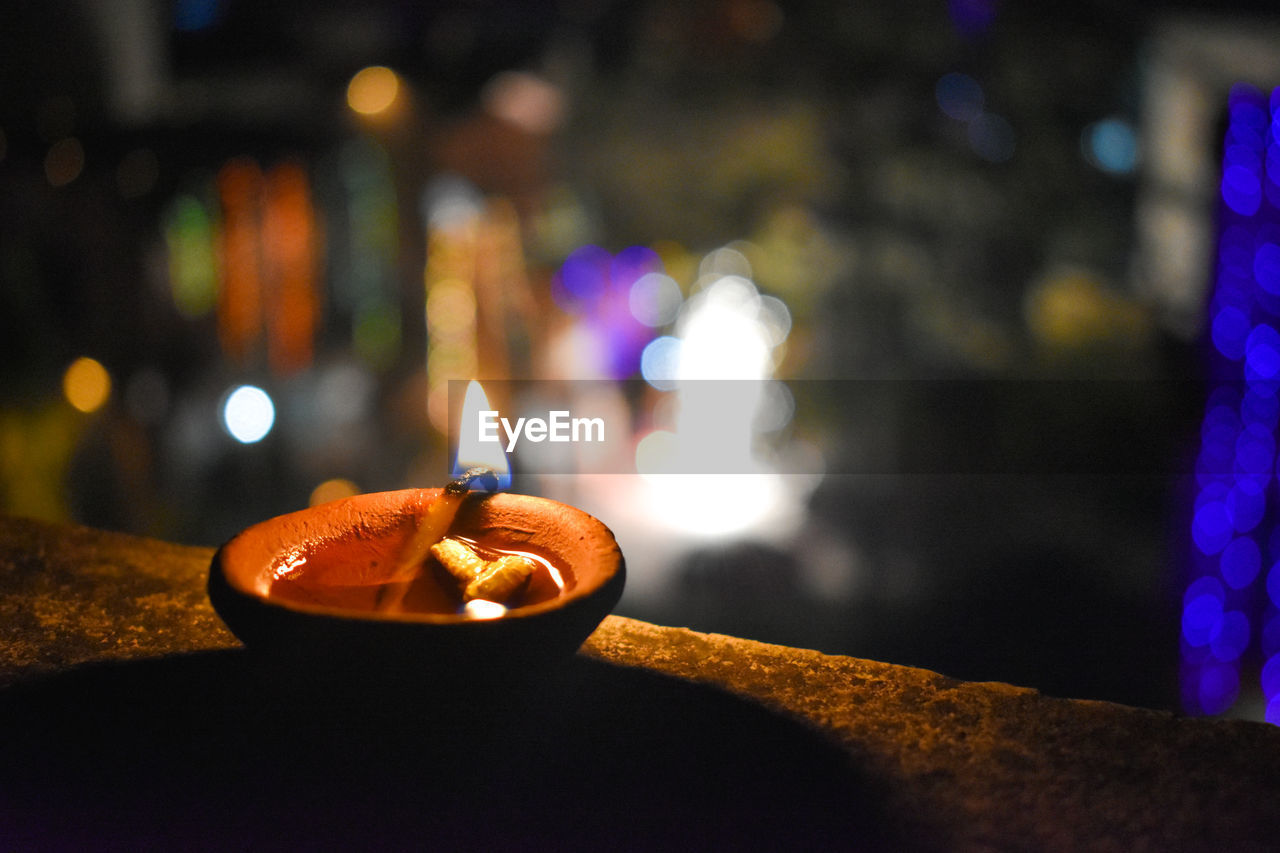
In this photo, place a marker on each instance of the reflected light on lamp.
(86, 384)
(373, 90)
(471, 450)
(481, 608)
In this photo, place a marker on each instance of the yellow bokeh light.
(372, 90)
(86, 384)
(332, 490)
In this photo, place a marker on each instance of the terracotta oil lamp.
(356, 584)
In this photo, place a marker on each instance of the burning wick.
(432, 527)
(480, 473)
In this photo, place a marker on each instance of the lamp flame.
(471, 450)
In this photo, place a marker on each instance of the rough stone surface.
(962, 766)
(71, 595)
(979, 766)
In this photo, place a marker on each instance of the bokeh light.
(1241, 190)
(193, 263)
(373, 90)
(1200, 616)
(722, 335)
(1246, 504)
(584, 275)
(660, 362)
(655, 299)
(972, 17)
(1224, 602)
(992, 138)
(191, 16)
(64, 162)
(1229, 328)
(777, 407)
(656, 453)
(248, 414)
(525, 100)
(1212, 528)
(1111, 145)
(1219, 687)
(959, 96)
(332, 490)
(1207, 585)
(1262, 353)
(1273, 584)
(1230, 636)
(725, 261)
(86, 384)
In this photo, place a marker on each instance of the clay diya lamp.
(350, 586)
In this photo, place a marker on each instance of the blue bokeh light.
(1262, 353)
(1207, 585)
(1247, 114)
(1230, 636)
(632, 263)
(972, 17)
(959, 96)
(1212, 527)
(992, 138)
(1270, 640)
(660, 362)
(1241, 190)
(1200, 617)
(1247, 156)
(194, 15)
(584, 275)
(1229, 591)
(1112, 146)
(1270, 677)
(1260, 407)
(1240, 562)
(1219, 686)
(1230, 327)
(1266, 267)
(1255, 450)
(1246, 505)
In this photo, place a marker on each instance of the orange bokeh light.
(373, 90)
(86, 384)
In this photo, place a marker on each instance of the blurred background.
(245, 246)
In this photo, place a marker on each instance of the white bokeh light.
(655, 299)
(248, 414)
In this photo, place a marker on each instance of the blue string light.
(1233, 594)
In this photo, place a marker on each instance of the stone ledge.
(962, 766)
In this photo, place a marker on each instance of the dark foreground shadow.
(221, 751)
